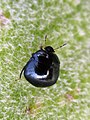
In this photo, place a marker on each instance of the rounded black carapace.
(42, 70)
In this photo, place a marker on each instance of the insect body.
(42, 70)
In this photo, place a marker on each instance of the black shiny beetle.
(42, 70)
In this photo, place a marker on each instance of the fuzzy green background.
(23, 25)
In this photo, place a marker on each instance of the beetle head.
(49, 49)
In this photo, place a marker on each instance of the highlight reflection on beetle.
(42, 70)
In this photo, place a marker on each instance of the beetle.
(42, 69)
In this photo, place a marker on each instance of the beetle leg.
(21, 72)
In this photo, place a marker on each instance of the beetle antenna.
(45, 39)
(41, 46)
(61, 46)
